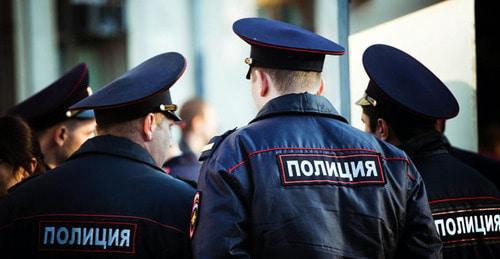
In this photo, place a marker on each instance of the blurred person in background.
(59, 132)
(199, 124)
(18, 154)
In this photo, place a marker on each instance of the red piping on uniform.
(465, 198)
(75, 87)
(85, 250)
(231, 169)
(409, 175)
(407, 165)
(469, 239)
(95, 215)
(462, 211)
(397, 158)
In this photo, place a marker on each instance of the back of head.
(294, 81)
(17, 145)
(189, 110)
(404, 125)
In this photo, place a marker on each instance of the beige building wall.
(442, 37)
(36, 54)
(158, 26)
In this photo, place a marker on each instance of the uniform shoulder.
(391, 151)
(24, 183)
(169, 183)
(368, 141)
(214, 143)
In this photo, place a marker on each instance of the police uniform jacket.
(465, 205)
(299, 182)
(108, 200)
(488, 167)
(185, 166)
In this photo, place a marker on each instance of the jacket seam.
(464, 199)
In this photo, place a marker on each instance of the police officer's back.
(111, 198)
(298, 181)
(403, 101)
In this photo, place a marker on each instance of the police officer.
(59, 132)
(198, 126)
(402, 103)
(111, 198)
(298, 181)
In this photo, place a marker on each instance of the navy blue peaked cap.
(141, 90)
(50, 106)
(280, 45)
(400, 79)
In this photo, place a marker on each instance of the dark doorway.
(488, 72)
(7, 81)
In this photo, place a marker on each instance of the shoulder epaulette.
(213, 144)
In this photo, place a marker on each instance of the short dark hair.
(17, 144)
(287, 81)
(403, 124)
(190, 109)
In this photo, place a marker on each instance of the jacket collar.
(303, 103)
(431, 143)
(115, 146)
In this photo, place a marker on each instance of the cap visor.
(172, 116)
(85, 114)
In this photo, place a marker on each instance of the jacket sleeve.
(221, 230)
(420, 238)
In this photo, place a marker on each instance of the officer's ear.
(33, 164)
(264, 82)
(382, 130)
(60, 134)
(440, 125)
(321, 88)
(148, 126)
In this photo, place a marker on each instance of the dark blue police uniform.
(488, 167)
(465, 205)
(110, 199)
(185, 166)
(299, 182)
